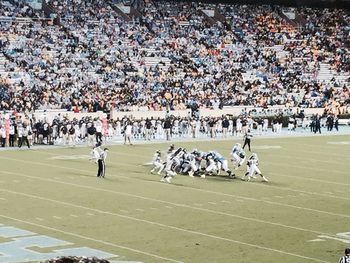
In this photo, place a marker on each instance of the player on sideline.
(157, 163)
(252, 169)
(346, 257)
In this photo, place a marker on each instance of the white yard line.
(160, 225)
(130, 178)
(193, 189)
(309, 179)
(178, 205)
(93, 239)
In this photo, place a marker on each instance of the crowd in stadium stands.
(94, 60)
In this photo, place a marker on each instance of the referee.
(346, 258)
(247, 138)
(100, 157)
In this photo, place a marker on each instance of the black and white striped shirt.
(345, 259)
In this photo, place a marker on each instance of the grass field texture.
(301, 215)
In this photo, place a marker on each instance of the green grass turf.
(133, 215)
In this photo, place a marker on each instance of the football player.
(252, 169)
(157, 163)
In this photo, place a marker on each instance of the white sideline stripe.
(166, 226)
(90, 238)
(128, 178)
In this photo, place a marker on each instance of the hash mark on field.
(212, 203)
(330, 193)
(278, 196)
(198, 204)
(169, 207)
(89, 214)
(57, 178)
(224, 201)
(139, 209)
(302, 194)
(57, 217)
(39, 219)
(73, 215)
(3, 199)
(124, 211)
(16, 181)
(153, 208)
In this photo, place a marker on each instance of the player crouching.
(157, 163)
(252, 169)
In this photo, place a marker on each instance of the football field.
(301, 215)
